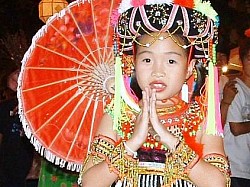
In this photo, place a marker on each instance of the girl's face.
(12, 80)
(162, 66)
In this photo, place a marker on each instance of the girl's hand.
(164, 135)
(141, 124)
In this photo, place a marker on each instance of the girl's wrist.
(170, 141)
(133, 144)
(130, 151)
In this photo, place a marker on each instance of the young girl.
(164, 142)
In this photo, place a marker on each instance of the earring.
(184, 92)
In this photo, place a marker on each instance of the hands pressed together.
(148, 122)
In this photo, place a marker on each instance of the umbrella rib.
(49, 84)
(93, 18)
(100, 91)
(50, 68)
(68, 58)
(65, 123)
(83, 37)
(108, 28)
(50, 99)
(85, 56)
(78, 130)
(59, 54)
(92, 124)
(46, 122)
(111, 58)
(83, 84)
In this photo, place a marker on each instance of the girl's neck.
(168, 102)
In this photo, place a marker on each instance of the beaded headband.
(195, 20)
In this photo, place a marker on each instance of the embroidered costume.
(154, 164)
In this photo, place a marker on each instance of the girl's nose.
(158, 71)
(158, 74)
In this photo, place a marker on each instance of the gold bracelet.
(105, 149)
(179, 163)
(220, 162)
(123, 164)
(101, 147)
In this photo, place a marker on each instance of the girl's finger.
(147, 94)
(153, 113)
(145, 103)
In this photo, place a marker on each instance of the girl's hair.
(200, 81)
(135, 87)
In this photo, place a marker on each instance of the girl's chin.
(163, 100)
(161, 96)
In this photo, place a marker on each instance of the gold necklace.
(171, 109)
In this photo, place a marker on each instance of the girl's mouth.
(157, 86)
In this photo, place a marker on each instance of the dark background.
(22, 15)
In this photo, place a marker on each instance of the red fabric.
(137, 3)
(60, 118)
(185, 3)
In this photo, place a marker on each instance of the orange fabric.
(58, 115)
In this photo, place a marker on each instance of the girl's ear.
(190, 68)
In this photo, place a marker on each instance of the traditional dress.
(156, 165)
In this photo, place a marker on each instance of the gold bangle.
(122, 164)
(221, 163)
(179, 162)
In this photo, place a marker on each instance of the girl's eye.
(171, 61)
(146, 60)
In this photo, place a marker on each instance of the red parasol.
(65, 81)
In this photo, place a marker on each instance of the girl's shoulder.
(105, 127)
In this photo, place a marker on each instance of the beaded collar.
(181, 120)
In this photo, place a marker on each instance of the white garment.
(238, 147)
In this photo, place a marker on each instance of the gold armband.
(119, 162)
(101, 148)
(221, 163)
(122, 164)
(179, 163)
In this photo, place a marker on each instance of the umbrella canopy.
(66, 78)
